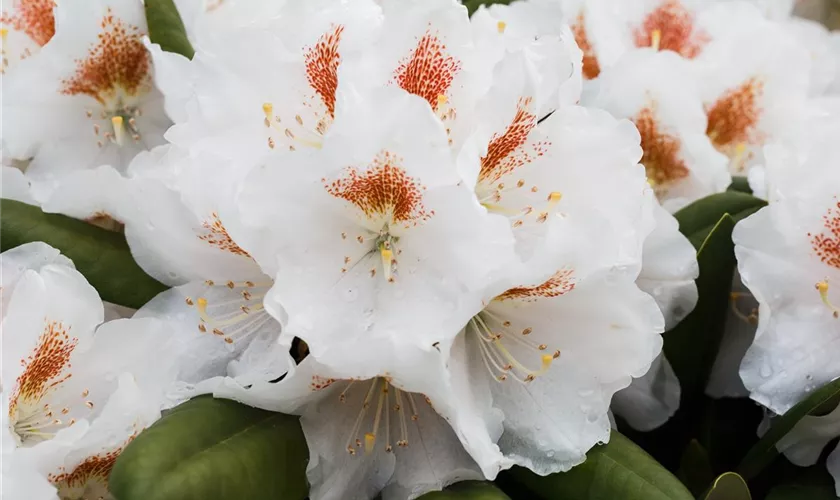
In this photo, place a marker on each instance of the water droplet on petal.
(351, 294)
(766, 370)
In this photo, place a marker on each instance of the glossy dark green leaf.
(468, 490)
(699, 218)
(166, 27)
(102, 256)
(740, 184)
(693, 344)
(728, 486)
(764, 452)
(473, 5)
(214, 449)
(617, 470)
(695, 468)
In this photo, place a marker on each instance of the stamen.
(501, 25)
(355, 431)
(119, 130)
(403, 442)
(655, 39)
(268, 110)
(415, 415)
(739, 160)
(370, 437)
(387, 259)
(822, 287)
(751, 318)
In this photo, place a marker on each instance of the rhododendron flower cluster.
(446, 242)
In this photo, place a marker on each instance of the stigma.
(655, 39)
(822, 288)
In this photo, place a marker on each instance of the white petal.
(806, 441)
(669, 268)
(15, 186)
(651, 399)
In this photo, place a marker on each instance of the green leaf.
(740, 184)
(728, 486)
(619, 469)
(166, 27)
(208, 449)
(468, 490)
(473, 5)
(764, 452)
(692, 345)
(699, 218)
(102, 256)
(695, 468)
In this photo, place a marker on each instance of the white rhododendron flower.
(385, 251)
(94, 82)
(268, 86)
(754, 84)
(546, 349)
(60, 385)
(788, 257)
(401, 433)
(76, 391)
(657, 90)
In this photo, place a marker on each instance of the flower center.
(661, 152)
(733, 119)
(32, 417)
(373, 422)
(237, 316)
(499, 343)
(322, 61)
(671, 27)
(387, 201)
(591, 66)
(89, 479)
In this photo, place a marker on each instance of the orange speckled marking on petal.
(47, 367)
(118, 61)
(383, 189)
(429, 71)
(827, 243)
(219, 237)
(734, 116)
(661, 157)
(33, 17)
(591, 66)
(558, 284)
(322, 61)
(506, 151)
(676, 27)
(319, 383)
(95, 468)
